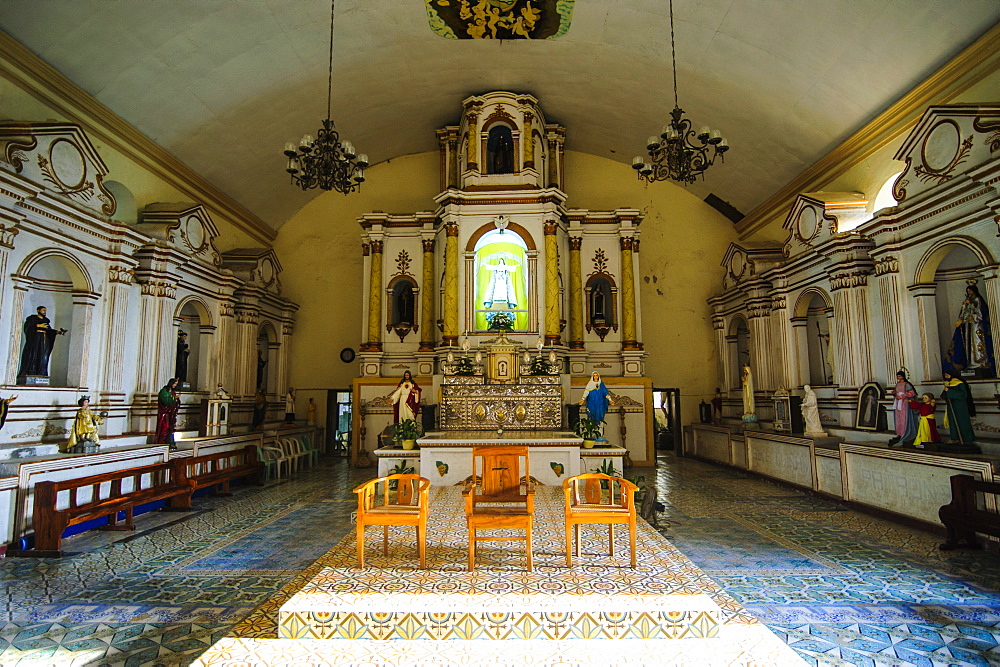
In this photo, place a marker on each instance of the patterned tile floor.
(838, 587)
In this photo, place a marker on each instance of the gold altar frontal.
(598, 612)
(529, 403)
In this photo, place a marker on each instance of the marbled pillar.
(575, 294)
(427, 299)
(374, 342)
(450, 336)
(529, 143)
(472, 148)
(630, 338)
(552, 310)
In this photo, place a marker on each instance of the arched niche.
(266, 364)
(501, 149)
(738, 344)
(500, 269)
(193, 318)
(812, 321)
(401, 306)
(57, 282)
(126, 210)
(601, 294)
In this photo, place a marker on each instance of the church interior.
(725, 272)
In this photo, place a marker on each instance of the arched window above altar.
(501, 278)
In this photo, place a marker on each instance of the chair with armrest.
(394, 500)
(601, 499)
(501, 495)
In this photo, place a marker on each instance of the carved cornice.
(245, 315)
(30, 73)
(755, 310)
(7, 235)
(779, 302)
(887, 264)
(227, 309)
(287, 328)
(718, 322)
(120, 274)
(848, 279)
(968, 68)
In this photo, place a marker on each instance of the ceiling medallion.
(500, 19)
(679, 153)
(326, 162)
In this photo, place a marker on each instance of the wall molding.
(52, 88)
(968, 68)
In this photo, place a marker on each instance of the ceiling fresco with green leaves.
(500, 19)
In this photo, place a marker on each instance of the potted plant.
(540, 366)
(406, 433)
(590, 430)
(464, 366)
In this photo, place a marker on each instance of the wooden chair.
(494, 497)
(597, 498)
(402, 501)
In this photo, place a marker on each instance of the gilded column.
(450, 336)
(374, 342)
(575, 294)
(472, 149)
(552, 310)
(630, 338)
(427, 299)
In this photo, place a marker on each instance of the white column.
(284, 357)
(117, 327)
(761, 350)
(850, 316)
(781, 341)
(79, 339)
(16, 330)
(244, 356)
(930, 343)
(896, 330)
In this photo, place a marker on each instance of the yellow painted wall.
(147, 188)
(683, 240)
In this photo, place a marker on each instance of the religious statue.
(959, 409)
(311, 413)
(261, 364)
(972, 343)
(84, 427)
(406, 399)
(595, 396)
(503, 155)
(5, 407)
(181, 361)
(810, 414)
(39, 337)
(927, 429)
(748, 401)
(290, 406)
(905, 419)
(501, 286)
(168, 403)
(221, 393)
(259, 409)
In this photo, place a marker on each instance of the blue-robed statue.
(971, 346)
(595, 397)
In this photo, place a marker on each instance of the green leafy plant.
(501, 321)
(540, 366)
(408, 429)
(464, 366)
(400, 468)
(589, 429)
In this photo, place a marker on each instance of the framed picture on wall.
(868, 407)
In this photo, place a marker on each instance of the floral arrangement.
(464, 366)
(540, 366)
(501, 321)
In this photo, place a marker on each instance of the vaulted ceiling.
(223, 84)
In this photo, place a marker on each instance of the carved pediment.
(186, 226)
(948, 140)
(60, 158)
(817, 216)
(744, 262)
(255, 266)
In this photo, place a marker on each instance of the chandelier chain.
(329, 78)
(673, 51)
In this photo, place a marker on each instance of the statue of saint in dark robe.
(39, 338)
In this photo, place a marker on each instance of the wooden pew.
(963, 517)
(217, 470)
(103, 495)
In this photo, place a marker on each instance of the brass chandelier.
(326, 162)
(679, 153)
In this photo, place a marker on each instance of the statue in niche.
(599, 316)
(290, 406)
(596, 397)
(5, 408)
(181, 362)
(501, 286)
(748, 401)
(83, 436)
(959, 409)
(971, 347)
(502, 153)
(810, 414)
(39, 338)
(168, 403)
(905, 418)
(311, 413)
(405, 304)
(261, 365)
(406, 399)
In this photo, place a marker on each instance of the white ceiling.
(223, 84)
